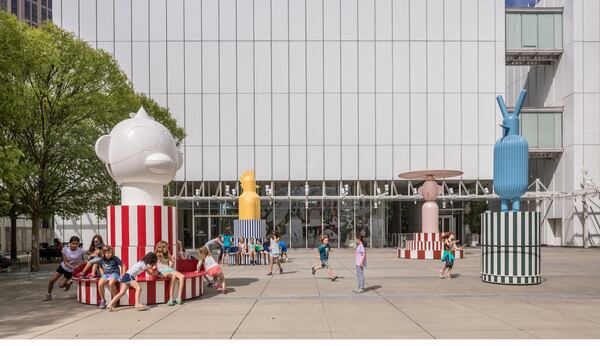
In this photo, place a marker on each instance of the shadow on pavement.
(372, 288)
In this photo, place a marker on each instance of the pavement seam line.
(66, 324)
(252, 307)
(493, 317)
(559, 311)
(322, 306)
(160, 319)
(397, 308)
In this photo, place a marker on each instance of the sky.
(520, 3)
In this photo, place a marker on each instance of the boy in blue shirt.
(323, 251)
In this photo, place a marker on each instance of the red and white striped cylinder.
(425, 246)
(133, 231)
(153, 291)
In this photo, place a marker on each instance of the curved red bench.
(155, 289)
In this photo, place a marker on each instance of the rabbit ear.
(520, 102)
(502, 106)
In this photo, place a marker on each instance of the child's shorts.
(110, 276)
(63, 272)
(325, 264)
(214, 271)
(165, 270)
(127, 278)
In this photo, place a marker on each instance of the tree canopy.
(60, 95)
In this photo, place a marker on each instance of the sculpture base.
(425, 246)
(510, 248)
(153, 291)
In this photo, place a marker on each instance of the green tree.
(71, 94)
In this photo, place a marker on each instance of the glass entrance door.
(447, 223)
(201, 230)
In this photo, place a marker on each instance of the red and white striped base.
(153, 292)
(426, 254)
(425, 246)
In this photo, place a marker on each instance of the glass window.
(49, 15)
(14, 5)
(330, 221)
(314, 223)
(513, 30)
(34, 15)
(298, 224)
(281, 218)
(529, 30)
(529, 128)
(4, 4)
(545, 31)
(27, 9)
(542, 130)
(346, 222)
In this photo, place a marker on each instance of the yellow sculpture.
(249, 200)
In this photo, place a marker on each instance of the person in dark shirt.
(323, 253)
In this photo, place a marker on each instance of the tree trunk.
(35, 243)
(13, 236)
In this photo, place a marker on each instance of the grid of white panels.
(312, 89)
(573, 83)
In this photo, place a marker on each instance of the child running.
(323, 253)
(275, 252)
(147, 264)
(72, 257)
(165, 268)
(111, 269)
(448, 256)
(213, 269)
(360, 259)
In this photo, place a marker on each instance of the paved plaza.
(404, 299)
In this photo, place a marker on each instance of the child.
(241, 246)
(284, 256)
(165, 268)
(111, 269)
(72, 257)
(275, 252)
(213, 269)
(251, 250)
(227, 245)
(259, 251)
(448, 256)
(323, 253)
(92, 262)
(360, 259)
(94, 251)
(147, 264)
(181, 254)
(266, 250)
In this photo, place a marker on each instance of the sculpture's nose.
(159, 163)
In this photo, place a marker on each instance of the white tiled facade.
(572, 83)
(316, 89)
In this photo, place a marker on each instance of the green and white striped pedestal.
(510, 248)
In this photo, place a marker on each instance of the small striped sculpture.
(511, 158)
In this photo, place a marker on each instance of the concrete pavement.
(404, 299)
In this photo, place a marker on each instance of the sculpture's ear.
(520, 102)
(502, 106)
(102, 148)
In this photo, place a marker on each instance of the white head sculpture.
(141, 156)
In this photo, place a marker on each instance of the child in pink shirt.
(360, 259)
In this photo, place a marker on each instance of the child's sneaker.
(313, 270)
(69, 283)
(170, 302)
(48, 297)
(179, 301)
(102, 304)
(334, 278)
